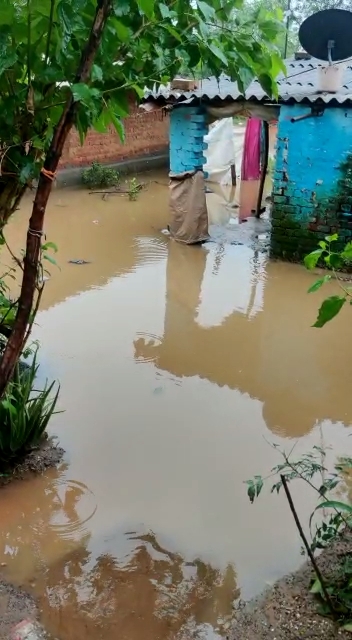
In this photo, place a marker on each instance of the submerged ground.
(178, 367)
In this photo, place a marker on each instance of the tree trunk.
(15, 342)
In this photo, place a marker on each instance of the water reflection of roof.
(274, 356)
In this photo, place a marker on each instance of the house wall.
(187, 130)
(312, 186)
(146, 133)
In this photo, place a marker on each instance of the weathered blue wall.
(187, 130)
(311, 194)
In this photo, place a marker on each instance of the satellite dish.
(326, 35)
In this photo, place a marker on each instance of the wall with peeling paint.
(312, 196)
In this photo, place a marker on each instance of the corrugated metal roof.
(299, 83)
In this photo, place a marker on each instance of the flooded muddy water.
(178, 367)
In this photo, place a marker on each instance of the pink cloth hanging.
(251, 151)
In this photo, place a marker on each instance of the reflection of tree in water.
(155, 594)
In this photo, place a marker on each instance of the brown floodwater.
(179, 366)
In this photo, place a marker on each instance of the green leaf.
(101, 124)
(50, 259)
(316, 587)
(206, 9)
(7, 13)
(277, 64)
(311, 260)
(334, 260)
(251, 491)
(118, 125)
(335, 504)
(139, 91)
(123, 33)
(218, 53)
(254, 487)
(270, 29)
(328, 310)
(347, 626)
(97, 73)
(164, 10)
(119, 104)
(83, 93)
(7, 60)
(318, 283)
(27, 171)
(268, 84)
(347, 252)
(173, 32)
(50, 245)
(332, 238)
(147, 7)
(322, 244)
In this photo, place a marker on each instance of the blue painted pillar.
(312, 182)
(188, 127)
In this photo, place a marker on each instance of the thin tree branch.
(307, 547)
(310, 483)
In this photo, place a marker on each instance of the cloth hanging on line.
(251, 152)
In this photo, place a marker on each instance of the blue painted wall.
(306, 183)
(187, 130)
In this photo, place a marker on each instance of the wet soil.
(15, 605)
(47, 454)
(287, 611)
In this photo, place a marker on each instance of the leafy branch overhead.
(144, 42)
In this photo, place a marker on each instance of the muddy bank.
(47, 454)
(15, 605)
(287, 611)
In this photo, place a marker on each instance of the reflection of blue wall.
(308, 169)
(187, 130)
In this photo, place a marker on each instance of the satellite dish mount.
(325, 35)
(331, 44)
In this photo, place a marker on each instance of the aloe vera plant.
(25, 412)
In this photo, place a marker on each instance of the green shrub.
(99, 177)
(24, 413)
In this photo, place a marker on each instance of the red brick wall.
(146, 133)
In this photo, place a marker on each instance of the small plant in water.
(24, 412)
(133, 189)
(99, 177)
(334, 592)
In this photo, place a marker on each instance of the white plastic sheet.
(225, 148)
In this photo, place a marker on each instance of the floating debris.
(158, 390)
(28, 630)
(79, 262)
